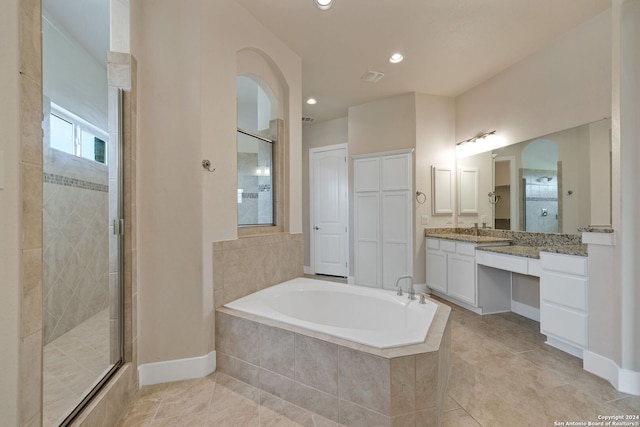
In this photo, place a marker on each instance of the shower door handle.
(118, 227)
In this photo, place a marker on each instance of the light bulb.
(323, 4)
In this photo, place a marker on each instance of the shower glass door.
(82, 287)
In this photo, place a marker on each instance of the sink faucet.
(410, 290)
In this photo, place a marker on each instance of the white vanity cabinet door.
(451, 270)
(461, 273)
(436, 266)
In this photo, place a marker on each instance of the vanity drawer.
(570, 291)
(448, 246)
(562, 263)
(466, 249)
(563, 323)
(503, 262)
(433, 244)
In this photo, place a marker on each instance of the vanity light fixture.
(323, 4)
(476, 138)
(396, 58)
(312, 101)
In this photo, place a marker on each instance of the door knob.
(316, 228)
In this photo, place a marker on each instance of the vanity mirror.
(555, 183)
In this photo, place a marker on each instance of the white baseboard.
(176, 370)
(351, 280)
(629, 381)
(623, 380)
(307, 269)
(525, 310)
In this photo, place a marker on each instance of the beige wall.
(566, 84)
(170, 206)
(423, 122)
(230, 29)
(317, 135)
(187, 68)
(383, 125)
(435, 128)
(9, 209)
(626, 154)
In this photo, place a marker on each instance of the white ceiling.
(450, 46)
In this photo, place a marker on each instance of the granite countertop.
(579, 250)
(467, 238)
(534, 251)
(523, 251)
(596, 229)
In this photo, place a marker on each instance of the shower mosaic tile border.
(52, 178)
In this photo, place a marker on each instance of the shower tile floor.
(502, 374)
(72, 365)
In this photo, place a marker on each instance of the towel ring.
(424, 197)
(493, 198)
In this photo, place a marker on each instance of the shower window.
(74, 135)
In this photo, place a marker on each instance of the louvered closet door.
(397, 218)
(383, 219)
(396, 245)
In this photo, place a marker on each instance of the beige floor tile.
(502, 374)
(458, 418)
(72, 366)
(193, 400)
(277, 412)
(450, 404)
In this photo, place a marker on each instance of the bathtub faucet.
(410, 290)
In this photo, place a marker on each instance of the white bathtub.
(374, 317)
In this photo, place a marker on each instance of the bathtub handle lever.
(423, 298)
(399, 293)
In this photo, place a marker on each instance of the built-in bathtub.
(373, 317)
(312, 343)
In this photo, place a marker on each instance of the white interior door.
(329, 211)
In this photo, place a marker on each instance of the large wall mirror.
(555, 183)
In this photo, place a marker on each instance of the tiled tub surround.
(249, 264)
(348, 383)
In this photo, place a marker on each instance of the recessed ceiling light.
(396, 58)
(312, 101)
(323, 4)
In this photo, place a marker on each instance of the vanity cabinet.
(563, 301)
(437, 263)
(451, 269)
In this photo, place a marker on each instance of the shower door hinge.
(118, 227)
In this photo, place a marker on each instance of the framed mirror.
(555, 183)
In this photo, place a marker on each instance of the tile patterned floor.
(73, 363)
(502, 375)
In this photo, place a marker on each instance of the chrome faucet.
(410, 290)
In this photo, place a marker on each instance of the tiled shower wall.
(541, 192)
(249, 264)
(76, 246)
